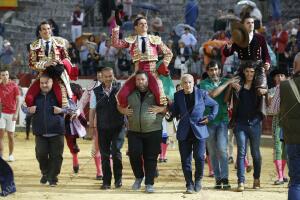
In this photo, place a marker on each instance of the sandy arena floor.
(169, 185)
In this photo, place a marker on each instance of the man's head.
(248, 22)
(178, 87)
(103, 37)
(77, 7)
(45, 30)
(140, 25)
(213, 71)
(46, 83)
(141, 81)
(249, 71)
(187, 83)
(279, 78)
(4, 75)
(186, 30)
(99, 74)
(107, 76)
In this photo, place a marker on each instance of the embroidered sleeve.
(116, 42)
(166, 52)
(34, 63)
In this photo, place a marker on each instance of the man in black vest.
(110, 127)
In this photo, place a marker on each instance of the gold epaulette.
(59, 41)
(131, 39)
(155, 39)
(35, 45)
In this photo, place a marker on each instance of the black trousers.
(110, 143)
(143, 150)
(49, 153)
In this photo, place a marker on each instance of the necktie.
(47, 48)
(143, 45)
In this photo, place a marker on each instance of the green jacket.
(289, 115)
(142, 121)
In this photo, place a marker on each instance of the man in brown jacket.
(289, 120)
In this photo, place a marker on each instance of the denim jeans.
(293, 155)
(217, 148)
(243, 133)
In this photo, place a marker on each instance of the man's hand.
(57, 110)
(51, 63)
(234, 80)
(32, 109)
(236, 86)
(73, 116)
(262, 91)
(229, 43)
(203, 121)
(156, 109)
(127, 111)
(267, 66)
(15, 117)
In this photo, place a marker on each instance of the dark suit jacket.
(187, 119)
(290, 112)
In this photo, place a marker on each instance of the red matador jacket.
(144, 61)
(37, 61)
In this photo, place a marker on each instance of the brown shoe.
(256, 184)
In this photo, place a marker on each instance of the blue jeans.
(293, 156)
(217, 148)
(244, 132)
(187, 148)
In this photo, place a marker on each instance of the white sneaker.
(11, 158)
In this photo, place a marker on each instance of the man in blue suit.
(189, 105)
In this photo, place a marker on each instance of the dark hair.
(136, 21)
(4, 69)
(92, 36)
(230, 11)
(120, 7)
(139, 72)
(245, 16)
(204, 75)
(99, 69)
(212, 64)
(177, 86)
(248, 64)
(45, 75)
(43, 23)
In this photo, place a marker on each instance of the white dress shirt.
(189, 39)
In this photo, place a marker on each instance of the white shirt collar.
(251, 36)
(44, 41)
(140, 36)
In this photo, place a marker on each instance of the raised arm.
(228, 49)
(116, 42)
